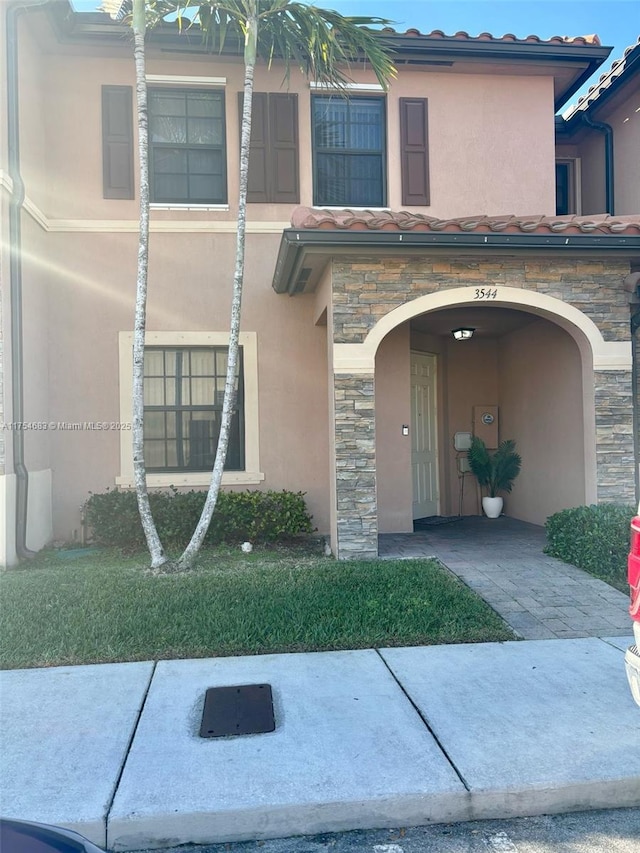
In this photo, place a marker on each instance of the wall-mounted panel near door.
(424, 434)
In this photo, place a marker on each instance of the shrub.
(594, 538)
(254, 516)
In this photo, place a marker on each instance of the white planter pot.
(492, 507)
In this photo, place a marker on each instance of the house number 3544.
(485, 293)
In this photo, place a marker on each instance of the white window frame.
(249, 343)
(159, 82)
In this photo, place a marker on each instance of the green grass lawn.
(63, 609)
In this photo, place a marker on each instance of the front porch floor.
(502, 560)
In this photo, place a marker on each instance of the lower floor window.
(183, 396)
(185, 374)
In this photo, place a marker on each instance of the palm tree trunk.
(230, 388)
(156, 551)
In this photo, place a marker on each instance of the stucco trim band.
(184, 80)
(132, 226)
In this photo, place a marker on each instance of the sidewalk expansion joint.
(126, 755)
(425, 722)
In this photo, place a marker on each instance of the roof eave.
(407, 48)
(632, 67)
(296, 244)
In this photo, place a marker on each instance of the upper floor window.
(349, 153)
(187, 146)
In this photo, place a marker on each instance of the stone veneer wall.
(614, 436)
(366, 289)
(355, 448)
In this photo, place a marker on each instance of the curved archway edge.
(605, 355)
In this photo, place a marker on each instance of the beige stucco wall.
(541, 407)
(34, 108)
(624, 118)
(36, 292)
(487, 154)
(592, 171)
(5, 305)
(8, 555)
(488, 117)
(189, 286)
(623, 115)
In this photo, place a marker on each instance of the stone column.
(355, 461)
(614, 436)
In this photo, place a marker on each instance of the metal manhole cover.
(244, 709)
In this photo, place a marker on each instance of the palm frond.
(113, 8)
(322, 43)
(155, 10)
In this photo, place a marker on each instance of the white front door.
(424, 450)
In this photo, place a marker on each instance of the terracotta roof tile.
(617, 69)
(507, 37)
(403, 220)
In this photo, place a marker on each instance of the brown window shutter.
(414, 142)
(117, 142)
(283, 139)
(258, 172)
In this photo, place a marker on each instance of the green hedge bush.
(594, 538)
(240, 516)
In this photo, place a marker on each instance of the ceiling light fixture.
(462, 334)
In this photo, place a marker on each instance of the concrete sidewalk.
(363, 739)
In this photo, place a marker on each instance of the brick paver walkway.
(503, 561)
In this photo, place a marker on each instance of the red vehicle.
(632, 657)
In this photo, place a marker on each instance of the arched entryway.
(523, 370)
(542, 362)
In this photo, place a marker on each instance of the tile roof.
(461, 35)
(618, 68)
(403, 220)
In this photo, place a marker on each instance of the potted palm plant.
(494, 472)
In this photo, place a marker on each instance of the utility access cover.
(246, 709)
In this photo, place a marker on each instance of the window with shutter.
(414, 144)
(117, 142)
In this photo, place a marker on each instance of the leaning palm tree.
(140, 13)
(322, 44)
